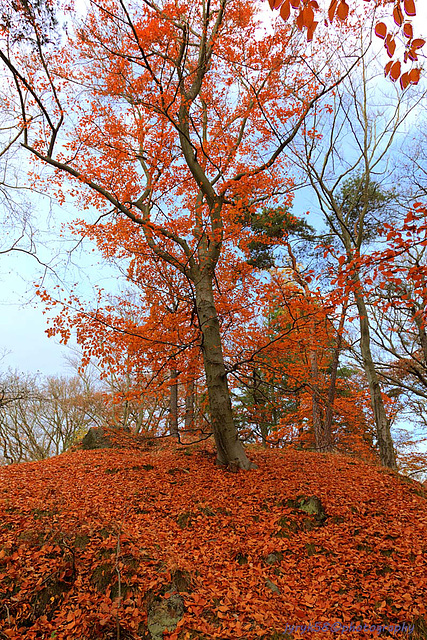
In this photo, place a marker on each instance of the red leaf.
(395, 71)
(409, 6)
(300, 20)
(398, 15)
(342, 11)
(271, 3)
(285, 10)
(332, 9)
(310, 31)
(414, 76)
(381, 30)
(404, 80)
(295, 3)
(277, 3)
(407, 30)
(418, 43)
(390, 45)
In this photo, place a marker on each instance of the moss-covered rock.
(164, 615)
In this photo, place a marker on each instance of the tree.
(399, 314)
(354, 204)
(177, 127)
(40, 418)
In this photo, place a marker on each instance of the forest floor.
(137, 540)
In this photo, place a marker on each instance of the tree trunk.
(329, 413)
(385, 442)
(189, 406)
(259, 406)
(230, 451)
(323, 436)
(173, 404)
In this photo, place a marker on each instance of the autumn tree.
(177, 126)
(293, 389)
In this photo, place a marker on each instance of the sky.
(24, 345)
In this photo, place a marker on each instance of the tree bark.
(329, 413)
(230, 451)
(259, 402)
(385, 441)
(322, 434)
(189, 406)
(173, 404)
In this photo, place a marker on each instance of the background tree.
(40, 417)
(353, 203)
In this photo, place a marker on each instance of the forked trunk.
(230, 451)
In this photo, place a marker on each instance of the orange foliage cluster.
(90, 539)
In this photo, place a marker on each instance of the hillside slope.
(125, 543)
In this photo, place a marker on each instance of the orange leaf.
(407, 30)
(277, 4)
(310, 31)
(295, 4)
(388, 67)
(395, 71)
(342, 11)
(381, 30)
(390, 45)
(411, 54)
(332, 9)
(414, 76)
(418, 43)
(404, 80)
(300, 20)
(409, 6)
(285, 10)
(398, 15)
(308, 17)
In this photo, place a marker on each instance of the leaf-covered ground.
(121, 543)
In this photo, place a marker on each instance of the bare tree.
(41, 417)
(347, 169)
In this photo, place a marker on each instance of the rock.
(164, 615)
(274, 558)
(96, 438)
(274, 588)
(310, 505)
